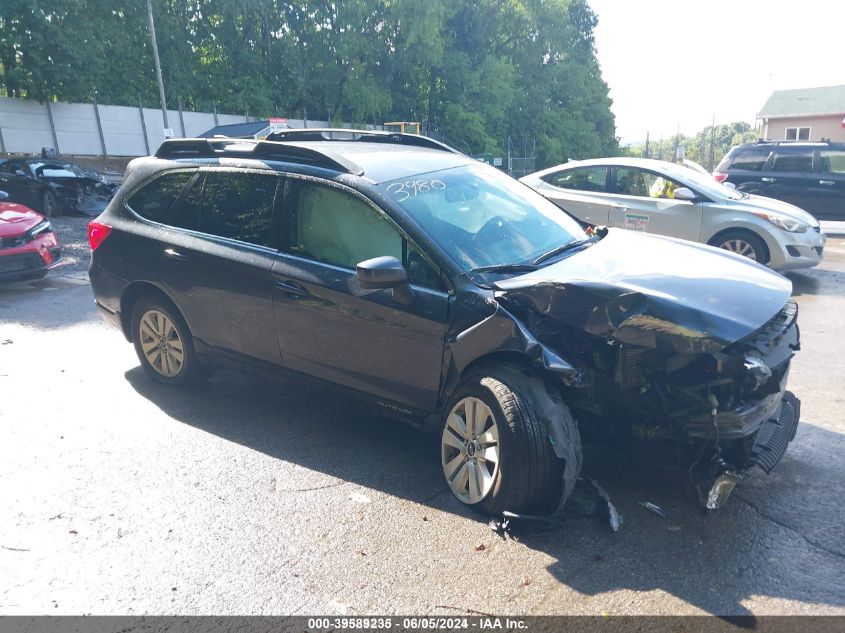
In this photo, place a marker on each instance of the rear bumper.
(108, 290)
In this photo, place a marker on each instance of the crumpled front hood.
(16, 219)
(654, 291)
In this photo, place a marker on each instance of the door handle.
(767, 179)
(827, 182)
(291, 288)
(620, 207)
(174, 254)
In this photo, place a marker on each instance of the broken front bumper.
(768, 449)
(776, 433)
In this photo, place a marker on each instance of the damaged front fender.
(503, 332)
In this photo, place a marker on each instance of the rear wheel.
(495, 451)
(743, 243)
(163, 342)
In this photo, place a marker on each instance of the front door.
(643, 200)
(329, 327)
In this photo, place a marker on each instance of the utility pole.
(158, 66)
(710, 165)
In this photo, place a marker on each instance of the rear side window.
(750, 158)
(793, 159)
(833, 161)
(154, 200)
(581, 178)
(235, 205)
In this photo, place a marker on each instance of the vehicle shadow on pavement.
(817, 282)
(52, 302)
(779, 537)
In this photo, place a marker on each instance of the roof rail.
(364, 136)
(175, 149)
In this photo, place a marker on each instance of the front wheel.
(50, 204)
(163, 342)
(496, 452)
(743, 243)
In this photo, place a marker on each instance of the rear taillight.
(97, 233)
(719, 176)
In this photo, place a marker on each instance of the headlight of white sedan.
(783, 222)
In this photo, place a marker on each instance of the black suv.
(809, 175)
(452, 296)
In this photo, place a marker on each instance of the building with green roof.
(807, 114)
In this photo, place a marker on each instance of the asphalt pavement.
(121, 496)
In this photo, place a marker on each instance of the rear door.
(831, 184)
(789, 177)
(643, 200)
(328, 326)
(216, 261)
(580, 191)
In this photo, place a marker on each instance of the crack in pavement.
(807, 539)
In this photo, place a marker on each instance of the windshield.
(705, 184)
(55, 170)
(481, 217)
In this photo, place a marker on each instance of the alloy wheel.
(740, 247)
(470, 450)
(161, 343)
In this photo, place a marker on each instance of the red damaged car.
(28, 246)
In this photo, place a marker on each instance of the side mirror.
(729, 184)
(19, 172)
(684, 194)
(4, 195)
(385, 272)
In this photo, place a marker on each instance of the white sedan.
(652, 196)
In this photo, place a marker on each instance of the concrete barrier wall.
(127, 131)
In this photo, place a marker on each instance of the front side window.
(797, 134)
(480, 217)
(579, 178)
(833, 161)
(154, 200)
(645, 184)
(793, 159)
(336, 227)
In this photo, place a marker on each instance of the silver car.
(653, 196)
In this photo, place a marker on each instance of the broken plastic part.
(721, 490)
(759, 370)
(612, 514)
(656, 509)
(574, 508)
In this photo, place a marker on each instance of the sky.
(671, 63)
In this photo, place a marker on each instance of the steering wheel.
(494, 230)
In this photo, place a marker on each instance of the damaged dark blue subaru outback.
(454, 297)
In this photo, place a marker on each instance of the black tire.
(189, 370)
(729, 240)
(533, 475)
(50, 206)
